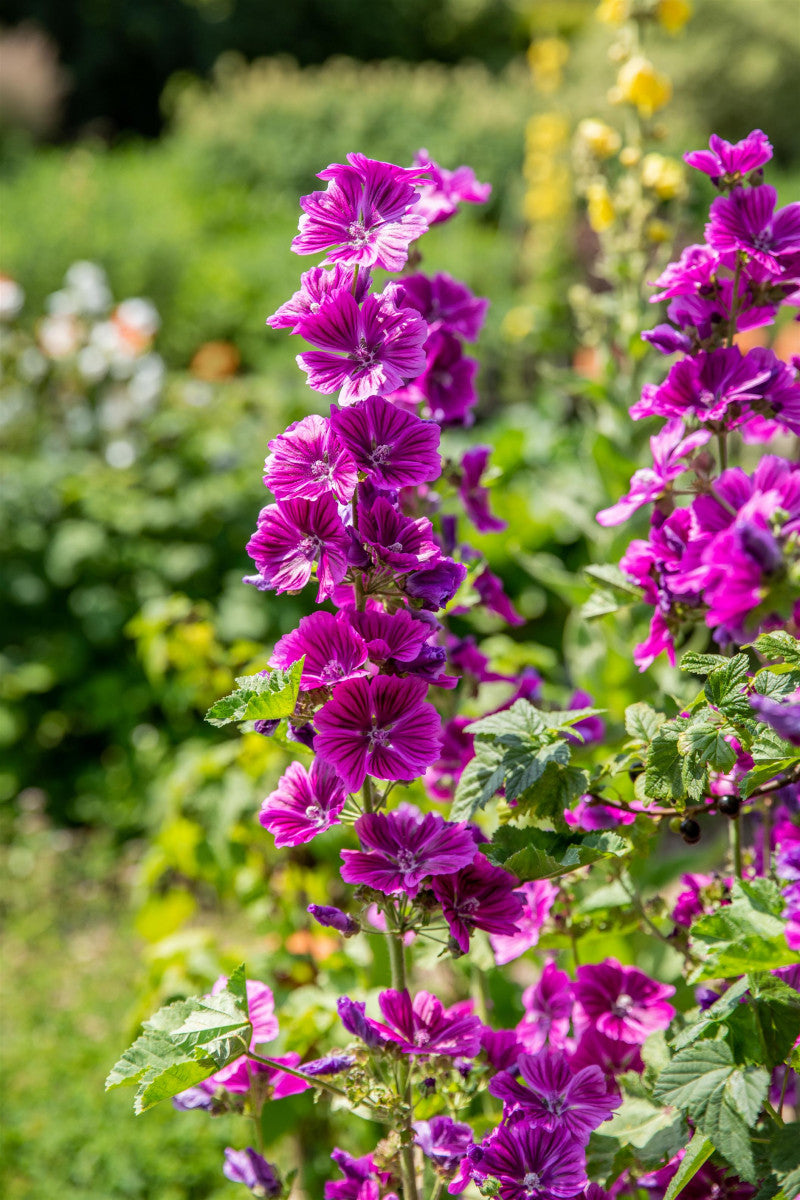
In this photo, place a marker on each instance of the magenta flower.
(531, 1163)
(728, 163)
(490, 589)
(307, 462)
(621, 1002)
(367, 216)
(548, 1010)
(611, 1055)
(695, 269)
(357, 1172)
(443, 1140)
(436, 586)
(439, 199)
(404, 849)
(537, 899)
(304, 804)
(746, 220)
(478, 896)
(501, 1048)
(253, 1170)
(292, 536)
(332, 648)
(445, 382)
(712, 386)
(367, 350)
(396, 636)
(446, 304)
(689, 902)
(458, 747)
(588, 814)
(395, 448)
(381, 727)
(333, 918)
(554, 1097)
(316, 286)
(782, 715)
(424, 1026)
(474, 496)
(398, 541)
(668, 448)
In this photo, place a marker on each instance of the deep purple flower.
(436, 586)
(333, 1064)
(610, 1054)
(366, 350)
(548, 1009)
(531, 1163)
(667, 340)
(474, 496)
(251, 1169)
(554, 1097)
(490, 589)
(307, 461)
(357, 1172)
(439, 199)
(332, 648)
(291, 536)
(713, 386)
(425, 1027)
(367, 216)
(746, 220)
(446, 304)
(304, 804)
(479, 896)
(401, 542)
(446, 384)
(729, 163)
(381, 727)
(537, 899)
(443, 1140)
(588, 814)
(668, 448)
(688, 903)
(395, 448)
(403, 849)
(501, 1048)
(621, 1002)
(316, 286)
(387, 636)
(694, 269)
(333, 918)
(783, 716)
(352, 1014)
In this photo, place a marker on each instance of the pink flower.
(668, 448)
(403, 849)
(548, 1010)
(621, 1002)
(728, 163)
(423, 1026)
(537, 898)
(446, 304)
(394, 448)
(307, 462)
(439, 199)
(333, 650)
(479, 896)
(292, 536)
(303, 804)
(316, 286)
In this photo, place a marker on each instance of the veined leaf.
(539, 854)
(259, 697)
(642, 721)
(778, 644)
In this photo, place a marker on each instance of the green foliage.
(263, 697)
(540, 854)
(745, 936)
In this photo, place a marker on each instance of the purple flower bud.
(667, 340)
(760, 545)
(303, 734)
(249, 1168)
(201, 1097)
(705, 996)
(332, 1065)
(265, 728)
(353, 1017)
(436, 585)
(334, 918)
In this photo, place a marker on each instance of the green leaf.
(642, 722)
(220, 1024)
(259, 697)
(554, 791)
(778, 644)
(698, 1151)
(746, 935)
(784, 1157)
(694, 1075)
(671, 773)
(522, 768)
(539, 854)
(172, 1080)
(776, 683)
(724, 687)
(707, 741)
(480, 780)
(655, 1133)
(614, 579)
(718, 1012)
(703, 664)
(520, 723)
(601, 604)
(756, 778)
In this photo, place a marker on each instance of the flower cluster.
(730, 556)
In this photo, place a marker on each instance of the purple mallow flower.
(446, 304)
(610, 1054)
(292, 536)
(401, 542)
(367, 216)
(307, 461)
(403, 849)
(445, 385)
(669, 448)
(548, 1010)
(490, 589)
(333, 650)
(474, 496)
(620, 1002)
(304, 804)
(713, 386)
(333, 1064)
(352, 1014)
(357, 1173)
(439, 199)
(333, 918)
(316, 286)
(746, 221)
(588, 814)
(537, 898)
(530, 1163)
(395, 448)
(434, 587)
(554, 1097)
(479, 896)
(253, 1170)
(782, 715)
(381, 727)
(396, 636)
(423, 1026)
(728, 163)
(443, 1140)
(366, 350)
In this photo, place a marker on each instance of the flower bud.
(639, 83)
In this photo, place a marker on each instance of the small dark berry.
(729, 805)
(690, 830)
(635, 770)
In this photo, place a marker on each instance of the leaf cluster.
(262, 697)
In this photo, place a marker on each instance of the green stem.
(735, 834)
(313, 1080)
(770, 1111)
(722, 443)
(786, 1073)
(366, 795)
(397, 959)
(355, 279)
(438, 1191)
(397, 962)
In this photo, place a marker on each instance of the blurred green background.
(167, 141)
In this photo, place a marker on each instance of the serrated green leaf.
(756, 778)
(480, 780)
(784, 1157)
(716, 1014)
(671, 773)
(559, 719)
(553, 792)
(522, 768)
(614, 579)
(774, 683)
(703, 664)
(769, 747)
(724, 1126)
(601, 604)
(172, 1080)
(778, 644)
(539, 854)
(698, 1152)
(259, 697)
(694, 1075)
(521, 722)
(655, 1133)
(706, 741)
(724, 687)
(643, 722)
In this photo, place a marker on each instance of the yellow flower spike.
(599, 138)
(613, 12)
(672, 15)
(629, 156)
(658, 231)
(663, 175)
(546, 131)
(639, 83)
(600, 207)
(546, 59)
(518, 323)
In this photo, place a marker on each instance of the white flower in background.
(120, 453)
(60, 335)
(12, 298)
(137, 323)
(88, 285)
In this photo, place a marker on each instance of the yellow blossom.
(546, 59)
(518, 323)
(672, 15)
(613, 12)
(629, 156)
(639, 83)
(663, 175)
(600, 207)
(546, 131)
(601, 139)
(658, 231)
